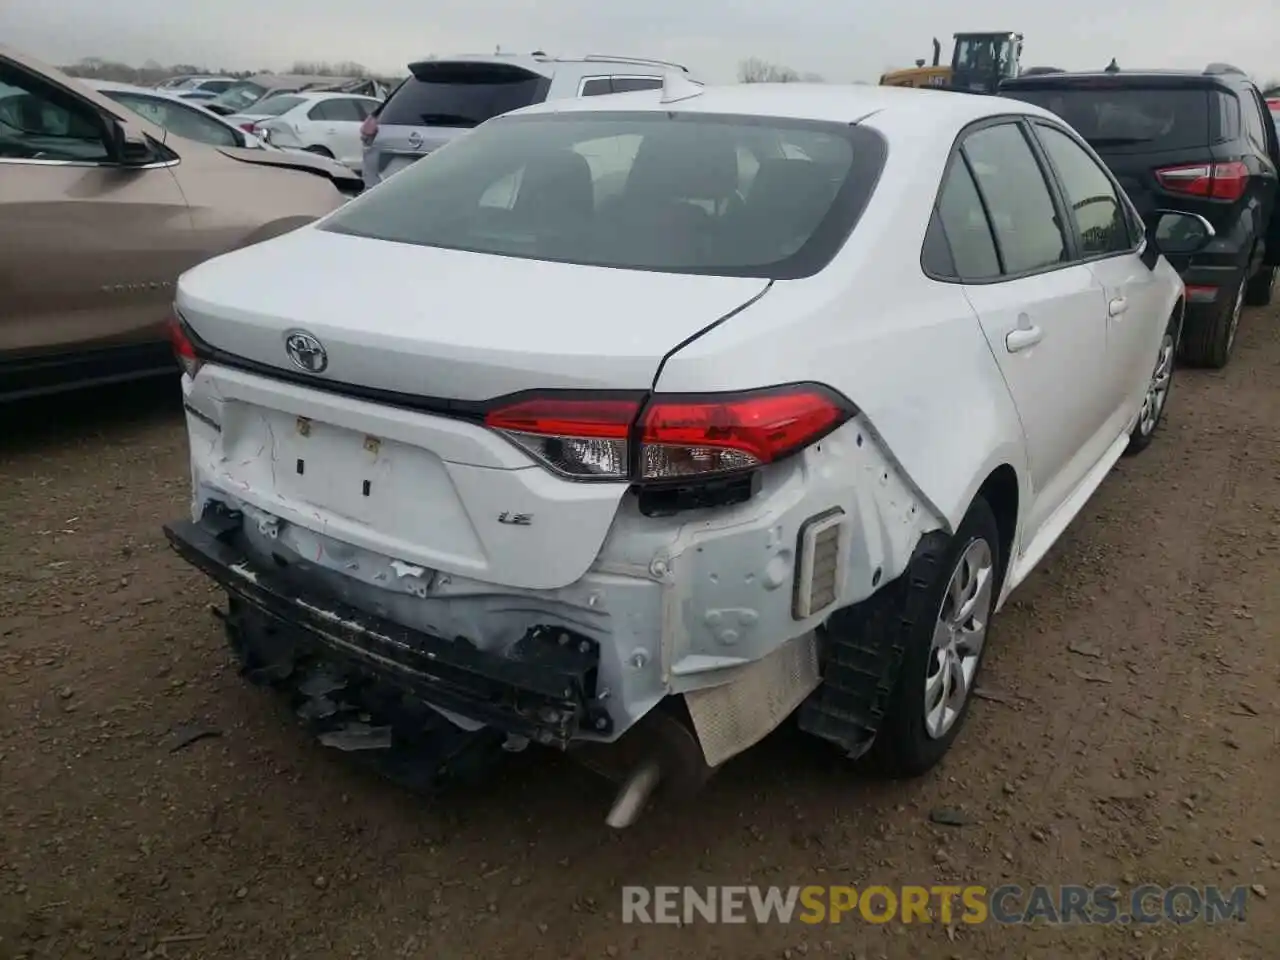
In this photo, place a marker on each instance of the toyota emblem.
(306, 352)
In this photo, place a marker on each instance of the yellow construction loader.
(979, 61)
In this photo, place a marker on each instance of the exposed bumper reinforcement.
(543, 688)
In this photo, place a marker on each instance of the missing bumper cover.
(543, 687)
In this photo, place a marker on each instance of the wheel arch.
(1001, 492)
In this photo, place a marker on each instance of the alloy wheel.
(1158, 389)
(958, 638)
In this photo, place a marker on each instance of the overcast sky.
(849, 40)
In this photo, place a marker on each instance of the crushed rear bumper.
(542, 688)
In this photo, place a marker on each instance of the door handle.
(1023, 337)
(1117, 306)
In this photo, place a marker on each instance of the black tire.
(319, 151)
(1144, 430)
(1207, 341)
(903, 746)
(1261, 286)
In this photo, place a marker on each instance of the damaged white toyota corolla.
(634, 425)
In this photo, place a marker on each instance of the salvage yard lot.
(1130, 733)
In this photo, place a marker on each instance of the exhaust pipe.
(635, 794)
(661, 753)
(937, 52)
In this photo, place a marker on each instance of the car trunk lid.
(413, 475)
(463, 326)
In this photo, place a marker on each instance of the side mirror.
(131, 148)
(1178, 233)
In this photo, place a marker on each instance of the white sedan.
(772, 422)
(324, 123)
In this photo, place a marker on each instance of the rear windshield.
(681, 193)
(239, 95)
(461, 95)
(1129, 118)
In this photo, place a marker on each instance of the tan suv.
(100, 211)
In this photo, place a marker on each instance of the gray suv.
(446, 97)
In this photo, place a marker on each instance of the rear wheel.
(943, 653)
(1157, 395)
(1259, 291)
(1207, 341)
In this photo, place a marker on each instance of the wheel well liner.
(1000, 490)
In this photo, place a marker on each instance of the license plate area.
(334, 469)
(278, 459)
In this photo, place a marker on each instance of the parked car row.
(243, 94)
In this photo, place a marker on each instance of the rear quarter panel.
(907, 350)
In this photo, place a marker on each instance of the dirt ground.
(1134, 737)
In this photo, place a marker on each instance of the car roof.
(830, 102)
(1136, 78)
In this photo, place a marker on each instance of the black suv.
(1200, 142)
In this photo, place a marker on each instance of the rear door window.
(965, 225)
(1129, 118)
(443, 94)
(1017, 197)
(1097, 212)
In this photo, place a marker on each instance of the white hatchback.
(660, 417)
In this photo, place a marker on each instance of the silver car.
(443, 98)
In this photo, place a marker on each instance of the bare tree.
(323, 68)
(755, 70)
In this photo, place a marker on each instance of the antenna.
(677, 87)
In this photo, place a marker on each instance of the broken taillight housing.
(669, 437)
(184, 350)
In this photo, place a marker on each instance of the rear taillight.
(1213, 181)
(710, 435)
(584, 439)
(247, 127)
(670, 438)
(368, 129)
(184, 350)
